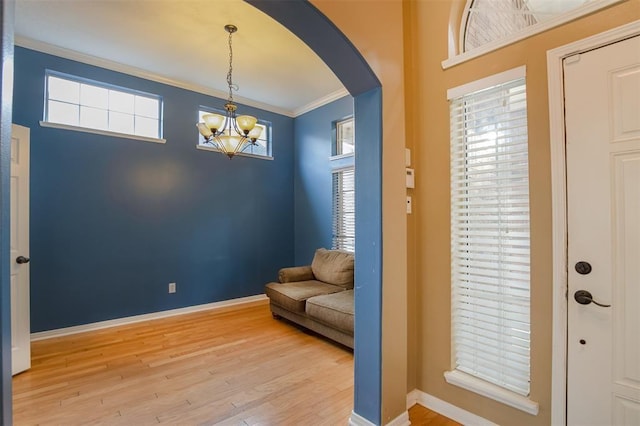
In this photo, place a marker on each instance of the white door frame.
(559, 205)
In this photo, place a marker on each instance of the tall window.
(263, 144)
(78, 102)
(344, 202)
(344, 209)
(490, 232)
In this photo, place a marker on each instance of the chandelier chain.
(230, 73)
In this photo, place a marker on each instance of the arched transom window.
(487, 20)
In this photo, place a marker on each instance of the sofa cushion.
(333, 267)
(333, 309)
(292, 296)
(295, 273)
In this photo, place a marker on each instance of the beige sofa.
(319, 296)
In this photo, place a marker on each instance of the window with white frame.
(344, 209)
(343, 137)
(487, 20)
(263, 143)
(490, 238)
(79, 103)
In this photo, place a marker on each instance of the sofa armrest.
(296, 273)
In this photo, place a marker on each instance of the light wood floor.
(238, 367)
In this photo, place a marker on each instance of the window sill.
(240, 154)
(473, 384)
(341, 156)
(101, 132)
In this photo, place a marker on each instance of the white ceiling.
(183, 42)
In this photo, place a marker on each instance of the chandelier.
(229, 133)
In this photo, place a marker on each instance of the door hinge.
(572, 59)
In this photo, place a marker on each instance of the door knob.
(21, 259)
(583, 297)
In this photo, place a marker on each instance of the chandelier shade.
(229, 133)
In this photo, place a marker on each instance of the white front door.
(602, 112)
(20, 321)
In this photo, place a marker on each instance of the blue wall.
(113, 220)
(368, 267)
(313, 182)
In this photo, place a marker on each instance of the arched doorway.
(311, 26)
(328, 42)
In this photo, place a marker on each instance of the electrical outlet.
(172, 287)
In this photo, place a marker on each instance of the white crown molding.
(446, 409)
(84, 58)
(338, 94)
(73, 55)
(259, 299)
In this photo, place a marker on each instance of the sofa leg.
(275, 316)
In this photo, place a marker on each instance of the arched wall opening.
(311, 26)
(331, 45)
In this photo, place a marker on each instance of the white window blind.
(344, 209)
(490, 256)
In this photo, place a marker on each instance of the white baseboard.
(413, 397)
(401, 420)
(242, 301)
(446, 409)
(358, 420)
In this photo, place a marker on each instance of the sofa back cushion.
(333, 267)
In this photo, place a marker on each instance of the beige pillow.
(333, 267)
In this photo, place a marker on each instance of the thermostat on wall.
(410, 178)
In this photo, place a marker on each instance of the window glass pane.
(345, 137)
(63, 113)
(121, 123)
(489, 20)
(259, 149)
(79, 102)
(94, 118)
(146, 127)
(147, 107)
(63, 90)
(121, 102)
(94, 96)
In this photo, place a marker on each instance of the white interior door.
(20, 321)
(602, 103)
